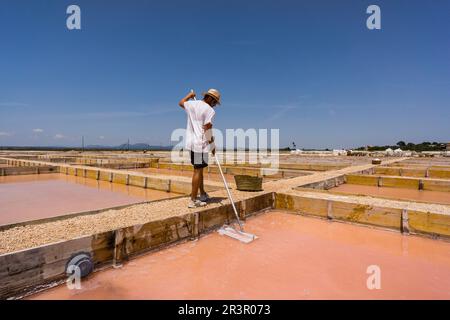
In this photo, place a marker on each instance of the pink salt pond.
(295, 257)
(31, 197)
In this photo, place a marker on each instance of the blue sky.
(310, 68)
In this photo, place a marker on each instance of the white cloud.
(101, 137)
(4, 134)
(59, 136)
(38, 130)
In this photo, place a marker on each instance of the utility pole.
(82, 143)
(128, 145)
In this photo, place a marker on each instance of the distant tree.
(424, 146)
(411, 146)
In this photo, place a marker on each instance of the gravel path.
(287, 184)
(29, 236)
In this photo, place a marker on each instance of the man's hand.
(189, 96)
(207, 126)
(213, 151)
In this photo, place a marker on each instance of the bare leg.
(201, 185)
(195, 183)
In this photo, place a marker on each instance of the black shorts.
(199, 159)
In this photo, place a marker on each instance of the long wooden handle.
(229, 193)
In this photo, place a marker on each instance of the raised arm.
(189, 96)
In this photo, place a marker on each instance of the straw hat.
(213, 93)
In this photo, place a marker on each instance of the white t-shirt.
(199, 113)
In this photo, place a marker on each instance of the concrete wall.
(407, 221)
(127, 178)
(236, 170)
(13, 171)
(431, 172)
(400, 182)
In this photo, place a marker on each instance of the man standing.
(199, 138)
